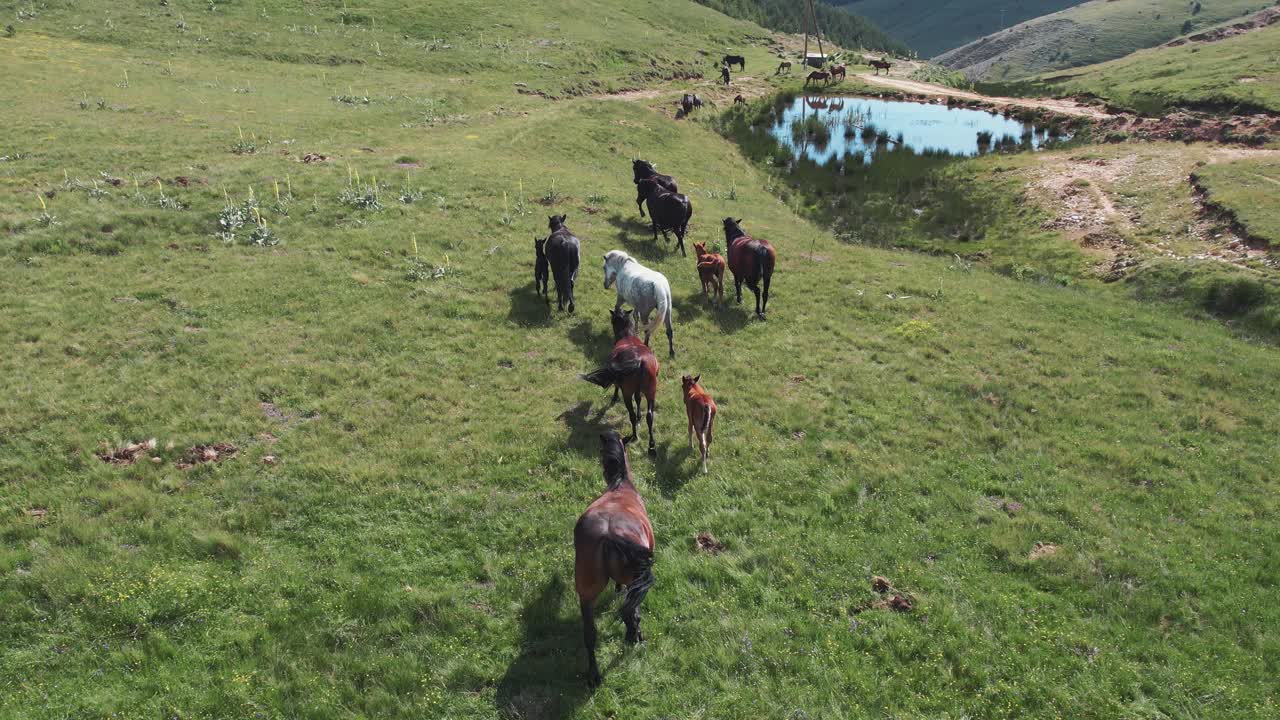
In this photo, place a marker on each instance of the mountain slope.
(932, 27)
(1085, 34)
(1239, 72)
(845, 28)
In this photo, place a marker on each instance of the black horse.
(738, 60)
(562, 253)
(688, 102)
(644, 170)
(668, 211)
(540, 268)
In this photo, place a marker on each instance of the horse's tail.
(613, 373)
(688, 215)
(764, 264)
(638, 560)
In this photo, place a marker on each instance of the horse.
(738, 60)
(701, 411)
(668, 211)
(837, 71)
(613, 540)
(632, 370)
(710, 271)
(688, 102)
(540, 267)
(724, 74)
(739, 100)
(751, 261)
(880, 65)
(562, 253)
(784, 65)
(818, 75)
(644, 170)
(647, 290)
(816, 103)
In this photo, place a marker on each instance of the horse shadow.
(585, 425)
(528, 308)
(595, 344)
(674, 467)
(636, 237)
(729, 317)
(547, 678)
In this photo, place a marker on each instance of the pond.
(824, 128)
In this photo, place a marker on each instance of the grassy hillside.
(1089, 33)
(391, 537)
(1247, 190)
(931, 27)
(845, 28)
(1238, 73)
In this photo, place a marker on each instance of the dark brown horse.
(784, 65)
(738, 60)
(668, 211)
(818, 75)
(644, 170)
(739, 100)
(632, 369)
(710, 271)
(880, 65)
(562, 254)
(613, 540)
(838, 71)
(688, 102)
(751, 261)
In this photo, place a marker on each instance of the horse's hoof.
(653, 450)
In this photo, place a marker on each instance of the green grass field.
(1087, 34)
(1238, 72)
(1248, 190)
(392, 538)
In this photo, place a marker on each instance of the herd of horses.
(613, 539)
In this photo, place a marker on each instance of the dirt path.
(1064, 107)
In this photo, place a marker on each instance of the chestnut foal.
(701, 410)
(613, 540)
(710, 271)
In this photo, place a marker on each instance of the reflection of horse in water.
(836, 105)
(816, 103)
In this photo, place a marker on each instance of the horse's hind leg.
(589, 639)
(671, 343)
(634, 414)
(630, 612)
(649, 417)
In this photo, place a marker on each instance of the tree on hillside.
(841, 26)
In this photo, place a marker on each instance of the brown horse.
(751, 261)
(784, 65)
(710, 271)
(739, 100)
(613, 540)
(818, 75)
(701, 410)
(632, 370)
(880, 65)
(837, 71)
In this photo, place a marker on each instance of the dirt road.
(1064, 107)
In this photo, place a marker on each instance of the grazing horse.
(724, 74)
(738, 60)
(710, 271)
(880, 65)
(644, 170)
(837, 71)
(647, 290)
(540, 267)
(668, 211)
(751, 261)
(613, 540)
(739, 100)
(688, 102)
(562, 253)
(784, 65)
(818, 75)
(632, 370)
(701, 410)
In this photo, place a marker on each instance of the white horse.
(647, 290)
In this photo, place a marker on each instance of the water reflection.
(822, 129)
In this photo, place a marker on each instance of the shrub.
(1234, 296)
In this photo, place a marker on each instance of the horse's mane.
(613, 457)
(740, 233)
